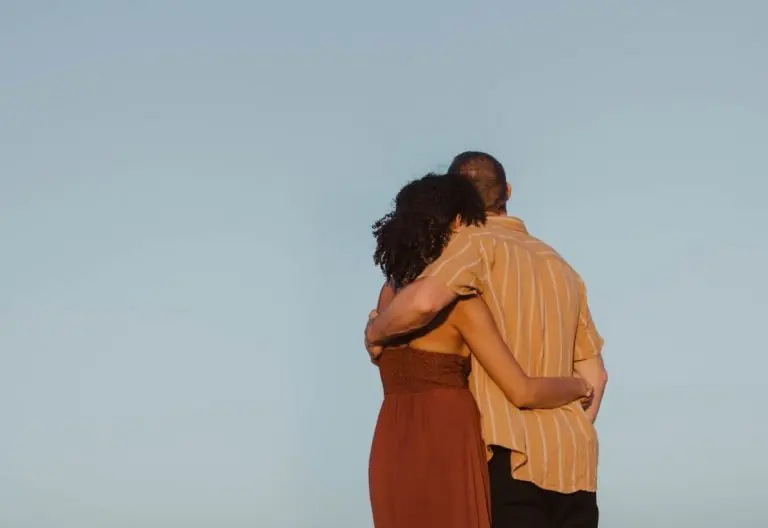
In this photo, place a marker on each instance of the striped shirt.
(539, 304)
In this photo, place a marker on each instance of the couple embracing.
(490, 361)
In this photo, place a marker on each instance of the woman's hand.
(587, 395)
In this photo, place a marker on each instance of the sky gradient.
(187, 190)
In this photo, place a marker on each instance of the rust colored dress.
(428, 465)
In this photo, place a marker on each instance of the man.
(543, 463)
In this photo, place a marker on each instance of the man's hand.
(374, 351)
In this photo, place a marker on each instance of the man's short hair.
(487, 174)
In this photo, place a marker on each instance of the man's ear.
(509, 191)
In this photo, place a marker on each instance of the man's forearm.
(412, 308)
(403, 315)
(593, 371)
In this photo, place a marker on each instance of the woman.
(428, 460)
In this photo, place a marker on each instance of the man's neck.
(496, 213)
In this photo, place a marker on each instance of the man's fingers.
(373, 350)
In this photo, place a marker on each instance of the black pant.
(520, 504)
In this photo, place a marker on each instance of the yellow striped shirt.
(539, 304)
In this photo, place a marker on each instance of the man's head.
(488, 176)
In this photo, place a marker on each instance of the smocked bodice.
(407, 369)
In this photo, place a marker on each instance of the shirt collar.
(510, 222)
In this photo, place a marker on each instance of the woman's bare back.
(441, 336)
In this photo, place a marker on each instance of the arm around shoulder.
(410, 309)
(458, 271)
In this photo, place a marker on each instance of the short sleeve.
(589, 343)
(463, 264)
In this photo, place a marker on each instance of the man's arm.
(588, 359)
(412, 308)
(458, 271)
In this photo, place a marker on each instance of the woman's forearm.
(549, 393)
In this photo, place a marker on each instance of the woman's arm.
(475, 323)
(593, 370)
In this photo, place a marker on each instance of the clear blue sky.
(187, 190)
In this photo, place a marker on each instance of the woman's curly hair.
(417, 230)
